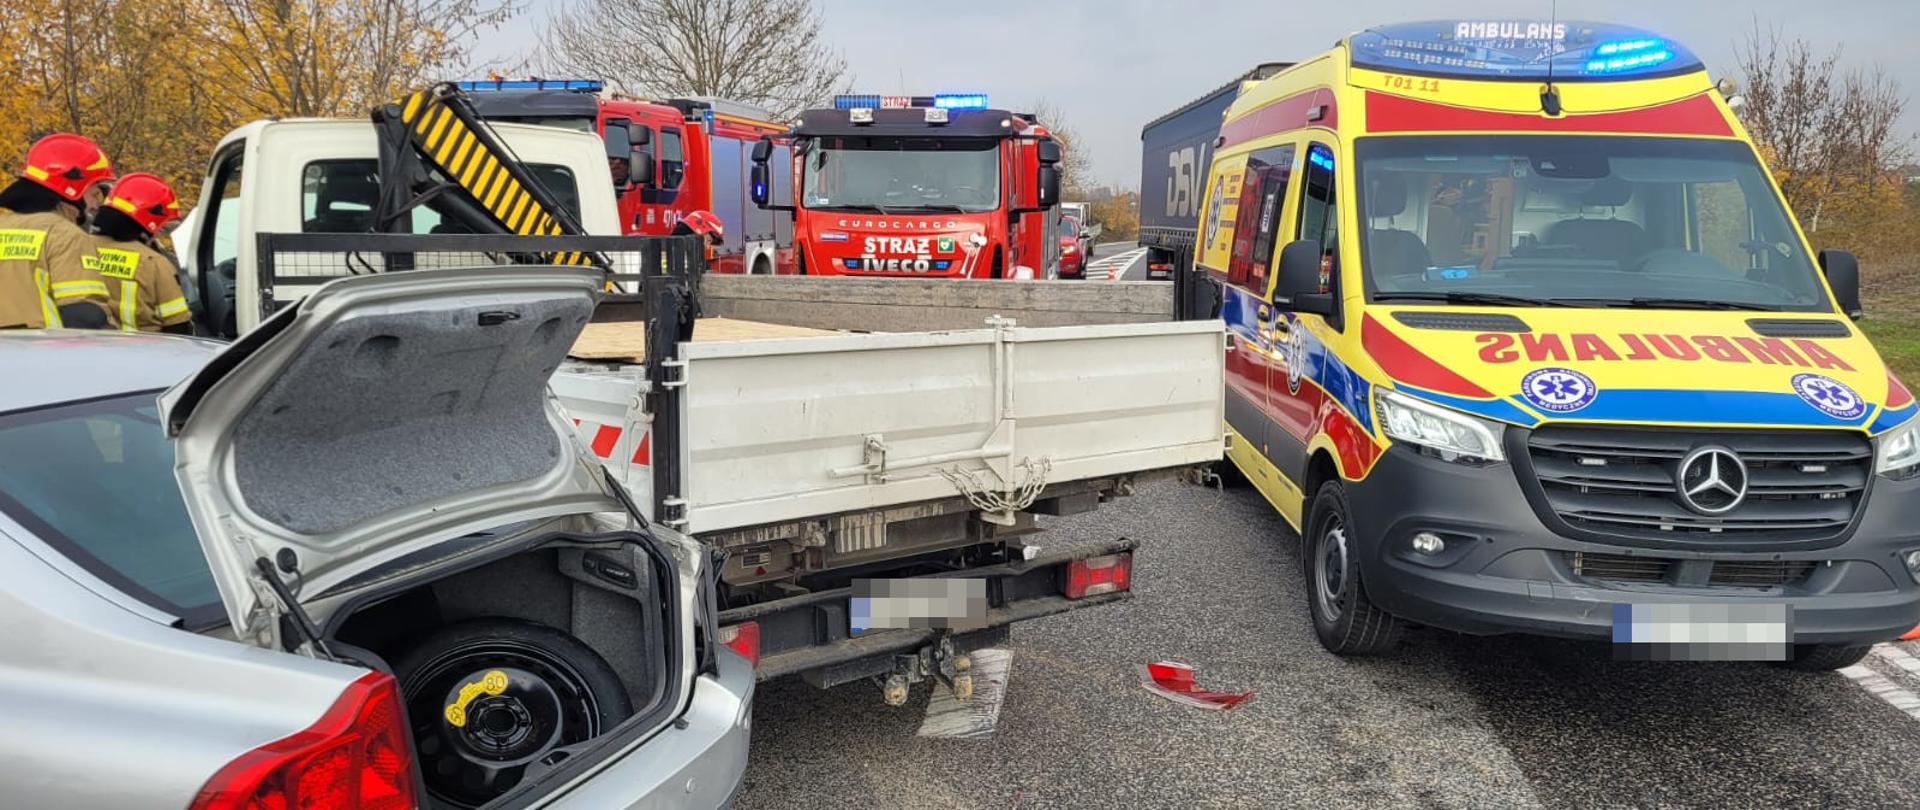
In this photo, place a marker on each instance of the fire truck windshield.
(903, 175)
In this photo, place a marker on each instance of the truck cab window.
(672, 162)
(338, 196)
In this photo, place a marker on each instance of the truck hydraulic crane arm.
(433, 146)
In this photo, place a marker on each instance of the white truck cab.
(324, 178)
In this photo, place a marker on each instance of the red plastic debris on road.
(1174, 681)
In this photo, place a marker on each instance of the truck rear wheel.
(1344, 619)
(1825, 657)
(489, 697)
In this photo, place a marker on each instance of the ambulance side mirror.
(1299, 287)
(1843, 275)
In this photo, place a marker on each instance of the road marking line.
(1884, 688)
(1113, 266)
(1897, 657)
(976, 718)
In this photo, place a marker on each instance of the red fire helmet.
(66, 164)
(145, 198)
(705, 224)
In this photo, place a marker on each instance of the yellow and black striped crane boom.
(449, 137)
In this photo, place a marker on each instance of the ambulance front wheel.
(1344, 618)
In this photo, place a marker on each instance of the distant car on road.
(1073, 249)
(1089, 227)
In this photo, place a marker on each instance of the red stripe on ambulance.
(1401, 361)
(1695, 115)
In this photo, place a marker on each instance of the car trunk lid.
(377, 417)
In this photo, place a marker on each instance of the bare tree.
(1076, 166)
(1831, 136)
(764, 52)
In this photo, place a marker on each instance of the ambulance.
(1525, 340)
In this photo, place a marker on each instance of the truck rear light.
(743, 638)
(355, 757)
(1098, 575)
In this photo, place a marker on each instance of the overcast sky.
(1109, 66)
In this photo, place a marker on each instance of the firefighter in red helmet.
(705, 224)
(47, 279)
(143, 292)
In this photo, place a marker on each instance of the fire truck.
(920, 186)
(668, 158)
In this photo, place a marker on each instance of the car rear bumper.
(696, 762)
(1504, 571)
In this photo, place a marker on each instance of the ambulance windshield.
(1583, 221)
(902, 175)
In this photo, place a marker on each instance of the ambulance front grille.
(1800, 485)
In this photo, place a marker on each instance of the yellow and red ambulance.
(1524, 339)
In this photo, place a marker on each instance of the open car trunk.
(378, 475)
(580, 628)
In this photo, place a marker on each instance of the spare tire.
(486, 698)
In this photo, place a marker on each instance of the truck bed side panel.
(784, 430)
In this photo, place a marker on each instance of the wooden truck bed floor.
(626, 341)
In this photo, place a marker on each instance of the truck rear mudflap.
(812, 635)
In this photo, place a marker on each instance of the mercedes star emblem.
(1712, 480)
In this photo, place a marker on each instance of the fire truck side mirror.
(762, 179)
(639, 134)
(642, 171)
(1048, 151)
(1049, 185)
(762, 151)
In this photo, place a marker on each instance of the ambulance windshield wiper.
(1470, 298)
(1676, 303)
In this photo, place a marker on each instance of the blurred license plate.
(902, 604)
(1703, 632)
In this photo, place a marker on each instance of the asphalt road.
(1451, 722)
(1117, 261)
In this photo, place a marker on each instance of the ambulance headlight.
(1445, 434)
(1900, 452)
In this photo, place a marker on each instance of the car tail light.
(1157, 267)
(1098, 575)
(743, 638)
(356, 757)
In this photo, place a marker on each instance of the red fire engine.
(668, 158)
(939, 186)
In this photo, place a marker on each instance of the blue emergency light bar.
(1521, 49)
(944, 101)
(582, 85)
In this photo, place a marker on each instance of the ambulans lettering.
(1510, 30)
(1534, 347)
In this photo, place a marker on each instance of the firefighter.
(703, 223)
(144, 293)
(46, 276)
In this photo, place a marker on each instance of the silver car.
(394, 580)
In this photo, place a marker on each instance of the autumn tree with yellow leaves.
(1833, 139)
(157, 82)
